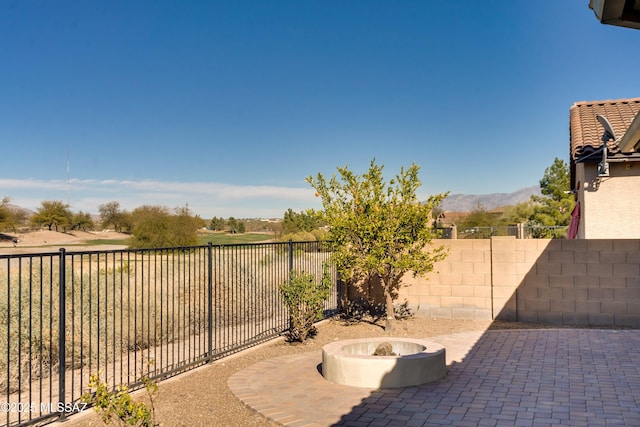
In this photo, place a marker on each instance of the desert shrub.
(156, 227)
(28, 314)
(113, 306)
(118, 405)
(360, 310)
(299, 236)
(305, 296)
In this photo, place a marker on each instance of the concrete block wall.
(594, 282)
(459, 286)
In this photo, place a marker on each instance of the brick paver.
(541, 377)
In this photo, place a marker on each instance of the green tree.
(517, 214)
(200, 222)
(82, 221)
(10, 219)
(184, 227)
(378, 230)
(294, 222)
(479, 217)
(217, 224)
(112, 216)
(555, 205)
(437, 213)
(53, 214)
(156, 227)
(232, 225)
(126, 223)
(5, 213)
(150, 227)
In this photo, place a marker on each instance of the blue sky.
(226, 106)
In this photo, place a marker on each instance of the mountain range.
(19, 209)
(470, 202)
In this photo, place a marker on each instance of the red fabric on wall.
(575, 221)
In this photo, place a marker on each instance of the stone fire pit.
(352, 363)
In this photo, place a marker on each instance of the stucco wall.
(610, 205)
(594, 282)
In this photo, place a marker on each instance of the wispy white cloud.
(222, 191)
(32, 184)
(204, 198)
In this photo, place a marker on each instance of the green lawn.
(224, 239)
(97, 242)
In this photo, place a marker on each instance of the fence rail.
(521, 231)
(127, 313)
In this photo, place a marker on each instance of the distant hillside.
(26, 212)
(469, 202)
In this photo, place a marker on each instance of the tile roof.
(585, 130)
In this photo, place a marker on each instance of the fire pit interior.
(399, 362)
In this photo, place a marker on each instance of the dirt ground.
(45, 241)
(202, 398)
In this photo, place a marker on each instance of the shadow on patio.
(565, 376)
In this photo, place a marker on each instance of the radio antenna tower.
(68, 183)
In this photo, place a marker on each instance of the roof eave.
(622, 13)
(631, 138)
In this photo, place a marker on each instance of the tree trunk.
(390, 323)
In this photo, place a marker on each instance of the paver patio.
(540, 377)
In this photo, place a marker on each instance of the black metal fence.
(123, 314)
(545, 232)
(521, 232)
(486, 232)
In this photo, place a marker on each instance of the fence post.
(210, 302)
(62, 320)
(290, 257)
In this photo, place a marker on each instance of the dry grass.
(129, 308)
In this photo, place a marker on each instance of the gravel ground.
(201, 397)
